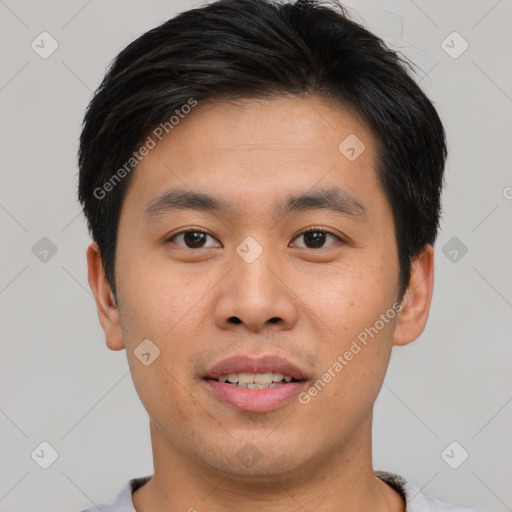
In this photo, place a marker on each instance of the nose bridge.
(253, 294)
(255, 281)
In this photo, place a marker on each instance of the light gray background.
(59, 383)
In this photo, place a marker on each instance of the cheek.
(351, 296)
(156, 297)
(161, 303)
(160, 391)
(354, 343)
(353, 365)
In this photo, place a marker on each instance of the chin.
(255, 460)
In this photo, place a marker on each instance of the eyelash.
(311, 229)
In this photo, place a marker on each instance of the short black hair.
(234, 49)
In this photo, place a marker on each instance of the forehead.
(250, 150)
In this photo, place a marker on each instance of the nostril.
(235, 320)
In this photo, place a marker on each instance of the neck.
(343, 478)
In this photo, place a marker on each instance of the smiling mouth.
(252, 397)
(256, 380)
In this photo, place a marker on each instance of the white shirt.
(415, 500)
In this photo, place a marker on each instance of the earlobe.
(108, 312)
(416, 303)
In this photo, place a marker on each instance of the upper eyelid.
(195, 230)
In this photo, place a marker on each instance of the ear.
(108, 312)
(416, 302)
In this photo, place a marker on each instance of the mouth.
(255, 384)
(256, 380)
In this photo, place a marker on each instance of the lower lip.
(255, 400)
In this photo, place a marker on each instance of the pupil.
(194, 238)
(316, 237)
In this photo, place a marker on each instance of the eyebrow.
(333, 199)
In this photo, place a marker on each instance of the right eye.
(192, 238)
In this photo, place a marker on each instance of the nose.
(257, 295)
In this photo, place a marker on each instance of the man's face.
(254, 285)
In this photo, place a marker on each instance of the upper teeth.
(255, 378)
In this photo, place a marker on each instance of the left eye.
(316, 238)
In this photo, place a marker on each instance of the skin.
(251, 153)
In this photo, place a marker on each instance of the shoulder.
(123, 500)
(415, 500)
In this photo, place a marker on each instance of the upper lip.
(248, 364)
